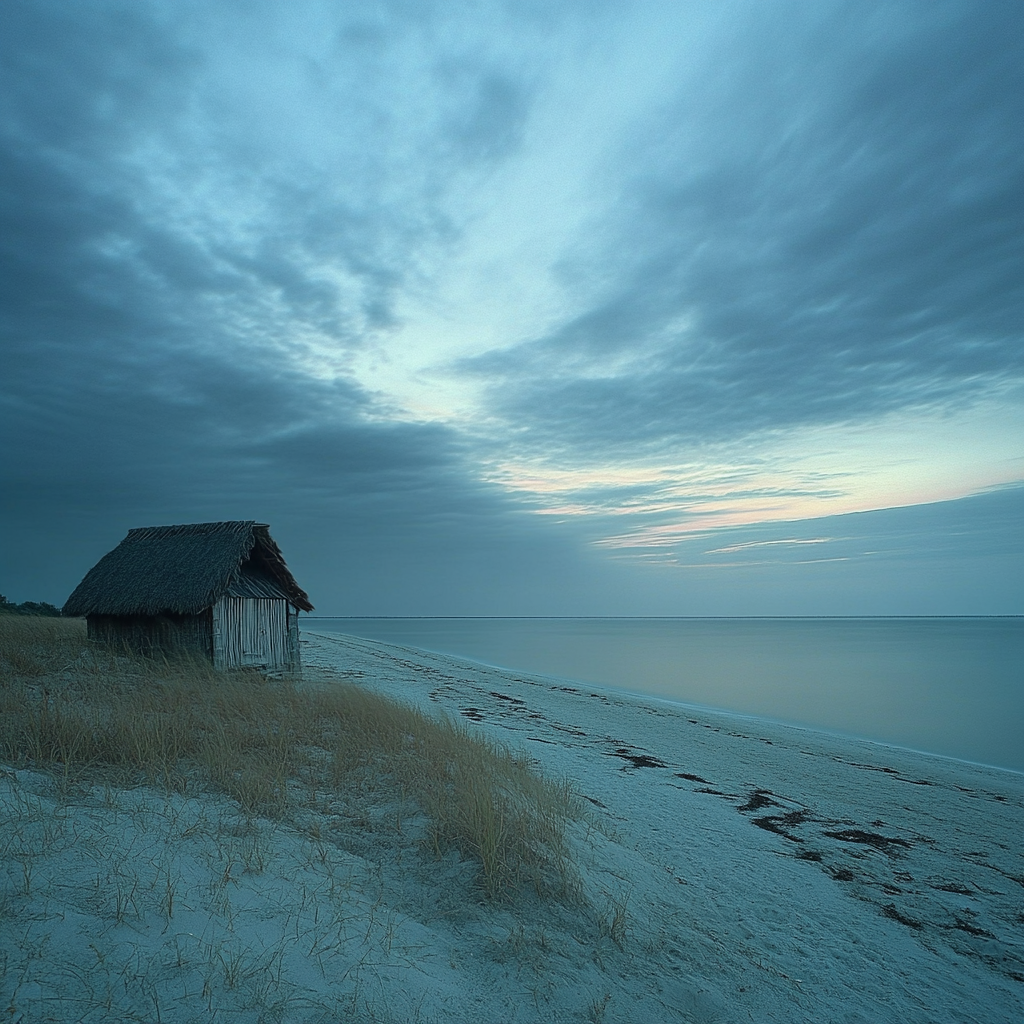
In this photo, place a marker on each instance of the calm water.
(949, 686)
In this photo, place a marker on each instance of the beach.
(728, 869)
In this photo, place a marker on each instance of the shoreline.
(642, 695)
(655, 618)
(826, 733)
(642, 700)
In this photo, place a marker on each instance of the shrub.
(28, 608)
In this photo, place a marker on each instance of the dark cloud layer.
(148, 377)
(833, 229)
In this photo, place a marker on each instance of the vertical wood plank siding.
(251, 632)
(238, 632)
(294, 662)
(217, 618)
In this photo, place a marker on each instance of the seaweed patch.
(879, 842)
(637, 760)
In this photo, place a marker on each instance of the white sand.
(733, 870)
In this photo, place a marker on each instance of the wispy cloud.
(788, 541)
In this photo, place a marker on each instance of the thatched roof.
(184, 569)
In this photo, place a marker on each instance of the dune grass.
(88, 714)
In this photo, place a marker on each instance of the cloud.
(787, 541)
(260, 178)
(215, 218)
(198, 227)
(827, 230)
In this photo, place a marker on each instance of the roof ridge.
(228, 526)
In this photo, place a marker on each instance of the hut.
(219, 590)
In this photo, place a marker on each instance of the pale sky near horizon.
(523, 307)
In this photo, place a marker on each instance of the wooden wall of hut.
(155, 635)
(238, 632)
(255, 633)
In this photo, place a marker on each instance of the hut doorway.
(251, 632)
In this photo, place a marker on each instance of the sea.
(947, 686)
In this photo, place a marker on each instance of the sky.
(522, 308)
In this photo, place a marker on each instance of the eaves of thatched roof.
(185, 569)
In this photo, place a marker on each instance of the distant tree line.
(27, 608)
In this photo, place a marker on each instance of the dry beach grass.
(278, 749)
(178, 844)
